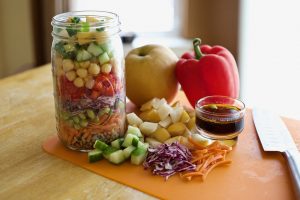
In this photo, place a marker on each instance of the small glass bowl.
(220, 117)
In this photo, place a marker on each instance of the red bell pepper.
(208, 71)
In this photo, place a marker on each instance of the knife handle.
(293, 159)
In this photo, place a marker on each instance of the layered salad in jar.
(88, 74)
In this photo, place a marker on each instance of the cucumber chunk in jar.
(88, 78)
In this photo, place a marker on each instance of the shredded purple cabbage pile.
(168, 159)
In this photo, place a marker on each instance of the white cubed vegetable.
(106, 68)
(78, 82)
(67, 65)
(94, 69)
(164, 110)
(81, 72)
(166, 122)
(148, 128)
(71, 75)
(176, 114)
(133, 119)
(152, 142)
(157, 102)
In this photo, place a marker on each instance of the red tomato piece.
(68, 90)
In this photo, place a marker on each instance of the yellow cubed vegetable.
(161, 134)
(202, 141)
(185, 118)
(147, 106)
(91, 19)
(177, 129)
(85, 37)
(150, 116)
(102, 37)
(192, 123)
(192, 113)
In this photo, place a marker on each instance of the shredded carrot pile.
(206, 159)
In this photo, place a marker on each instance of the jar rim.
(199, 108)
(111, 19)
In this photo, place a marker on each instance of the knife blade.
(274, 136)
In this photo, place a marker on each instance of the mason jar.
(88, 78)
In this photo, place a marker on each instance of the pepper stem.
(196, 44)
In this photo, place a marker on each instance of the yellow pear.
(150, 72)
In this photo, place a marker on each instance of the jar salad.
(88, 77)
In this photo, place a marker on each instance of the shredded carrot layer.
(206, 159)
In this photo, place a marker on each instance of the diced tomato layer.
(68, 90)
(107, 85)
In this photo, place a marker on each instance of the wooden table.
(26, 171)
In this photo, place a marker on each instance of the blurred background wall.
(173, 23)
(16, 37)
(262, 35)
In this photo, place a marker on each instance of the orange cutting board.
(253, 174)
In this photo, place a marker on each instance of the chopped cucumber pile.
(119, 150)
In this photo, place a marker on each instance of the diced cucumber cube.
(128, 141)
(69, 47)
(82, 116)
(76, 119)
(77, 126)
(128, 150)
(83, 55)
(90, 114)
(104, 111)
(100, 145)
(83, 123)
(138, 156)
(135, 142)
(116, 157)
(112, 54)
(143, 145)
(134, 131)
(117, 143)
(104, 58)
(95, 49)
(95, 155)
(109, 150)
(106, 46)
(85, 27)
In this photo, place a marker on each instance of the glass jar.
(88, 77)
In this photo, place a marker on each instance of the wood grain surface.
(26, 171)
